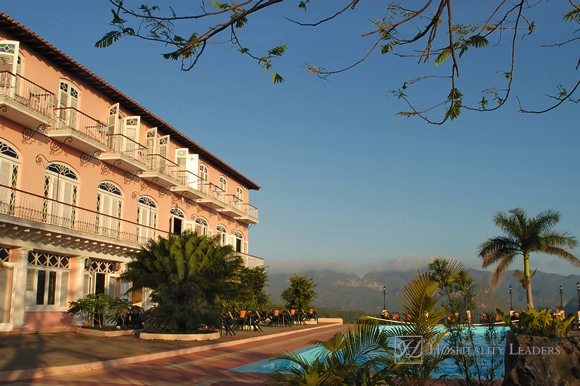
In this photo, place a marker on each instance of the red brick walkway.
(208, 367)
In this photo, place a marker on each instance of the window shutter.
(151, 143)
(191, 166)
(163, 151)
(5, 179)
(113, 127)
(190, 226)
(131, 132)
(63, 291)
(181, 161)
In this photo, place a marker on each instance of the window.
(222, 233)
(9, 51)
(47, 279)
(9, 162)
(68, 101)
(60, 191)
(238, 199)
(109, 205)
(239, 242)
(223, 183)
(203, 176)
(177, 217)
(201, 227)
(99, 277)
(147, 218)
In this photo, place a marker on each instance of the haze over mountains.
(352, 292)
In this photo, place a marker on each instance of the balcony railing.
(125, 153)
(70, 218)
(31, 104)
(161, 170)
(70, 118)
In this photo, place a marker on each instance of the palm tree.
(361, 356)
(188, 275)
(523, 236)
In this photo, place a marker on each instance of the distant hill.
(350, 292)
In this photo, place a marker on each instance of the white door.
(62, 191)
(7, 275)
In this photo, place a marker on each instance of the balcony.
(78, 130)
(25, 102)
(29, 216)
(239, 210)
(251, 261)
(124, 153)
(190, 185)
(215, 197)
(160, 170)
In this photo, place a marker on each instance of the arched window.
(200, 226)
(222, 233)
(146, 218)
(9, 162)
(239, 247)
(176, 220)
(60, 190)
(109, 205)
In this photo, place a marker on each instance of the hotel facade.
(88, 175)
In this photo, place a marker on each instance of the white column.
(79, 278)
(20, 288)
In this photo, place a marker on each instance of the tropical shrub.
(190, 276)
(538, 323)
(420, 303)
(95, 308)
(360, 356)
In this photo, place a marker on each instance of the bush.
(538, 323)
(95, 308)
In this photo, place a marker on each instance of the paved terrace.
(67, 358)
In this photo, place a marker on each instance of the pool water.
(448, 367)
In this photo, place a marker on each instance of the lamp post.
(384, 298)
(578, 290)
(561, 306)
(511, 304)
(578, 312)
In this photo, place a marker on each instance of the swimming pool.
(448, 367)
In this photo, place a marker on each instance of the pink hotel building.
(87, 175)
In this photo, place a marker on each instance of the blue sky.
(346, 184)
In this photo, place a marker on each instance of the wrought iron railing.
(119, 143)
(70, 118)
(35, 208)
(27, 94)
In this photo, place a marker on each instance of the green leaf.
(443, 56)
(276, 78)
(277, 51)
(108, 39)
(218, 5)
(116, 18)
(407, 113)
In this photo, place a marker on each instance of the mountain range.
(351, 292)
